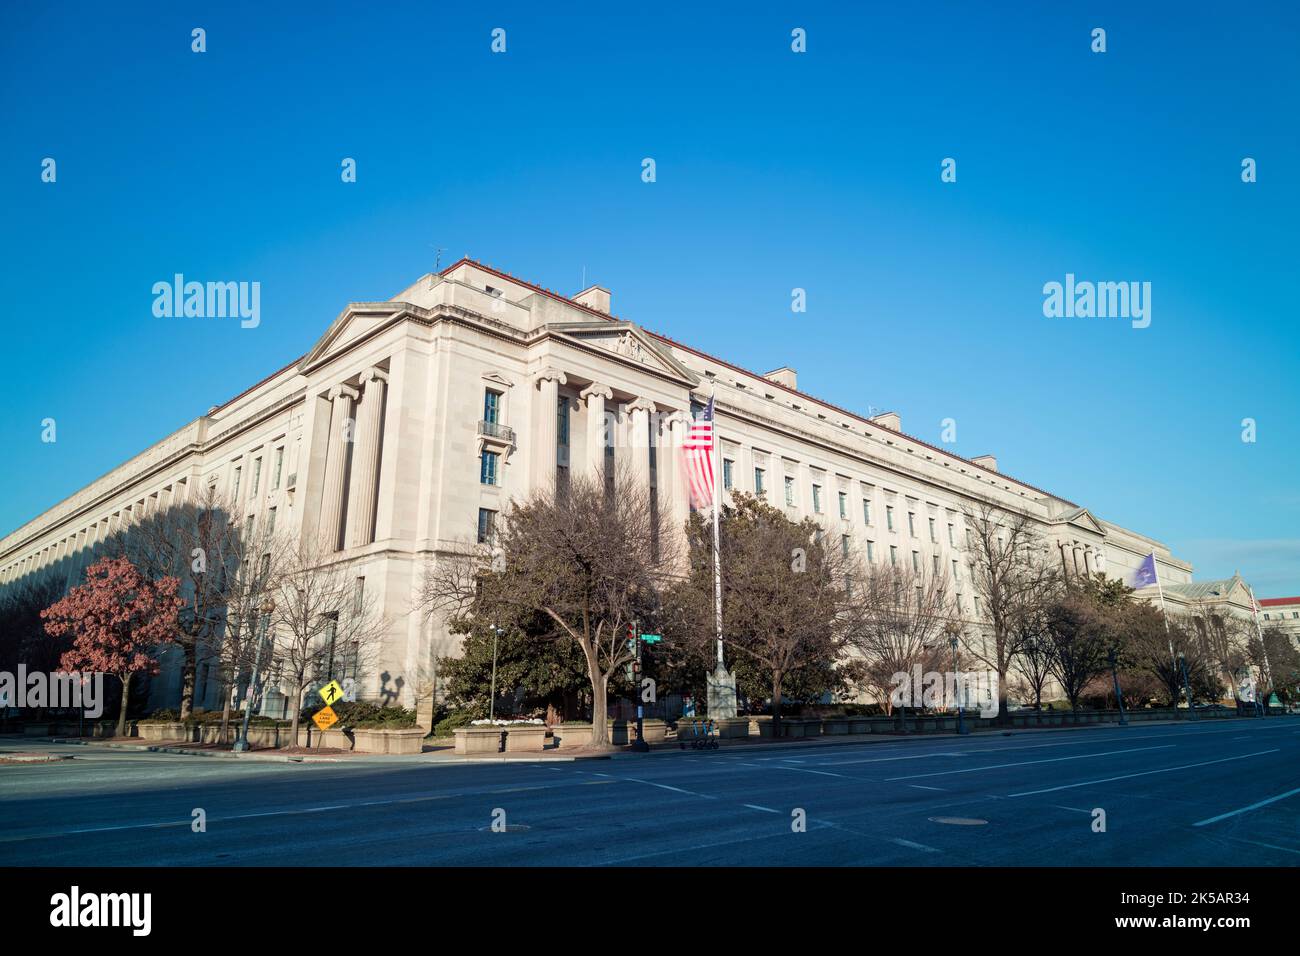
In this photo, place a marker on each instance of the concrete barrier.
(479, 740)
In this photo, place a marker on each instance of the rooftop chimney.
(890, 420)
(594, 297)
(986, 461)
(784, 376)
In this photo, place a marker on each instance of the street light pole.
(1119, 698)
(241, 742)
(1187, 687)
(956, 670)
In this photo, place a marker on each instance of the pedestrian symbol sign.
(331, 693)
(325, 718)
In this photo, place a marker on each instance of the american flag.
(698, 451)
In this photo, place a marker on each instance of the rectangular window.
(235, 492)
(916, 561)
(727, 465)
(789, 491)
(866, 511)
(279, 466)
(491, 406)
(562, 421)
(488, 469)
(844, 545)
(270, 521)
(758, 482)
(934, 536)
(487, 525)
(911, 523)
(955, 569)
(817, 499)
(248, 527)
(844, 506)
(936, 564)
(889, 517)
(893, 554)
(257, 474)
(871, 550)
(951, 540)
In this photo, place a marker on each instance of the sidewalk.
(443, 753)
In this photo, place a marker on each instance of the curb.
(229, 754)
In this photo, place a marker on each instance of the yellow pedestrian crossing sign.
(331, 693)
(325, 718)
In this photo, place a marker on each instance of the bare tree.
(900, 623)
(195, 541)
(1080, 640)
(589, 555)
(1223, 640)
(1011, 579)
(1033, 663)
(321, 614)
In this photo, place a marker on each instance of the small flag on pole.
(698, 451)
(1145, 575)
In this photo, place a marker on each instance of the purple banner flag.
(1145, 575)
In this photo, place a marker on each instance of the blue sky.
(775, 170)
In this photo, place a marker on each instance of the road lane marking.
(755, 806)
(915, 846)
(1144, 773)
(1253, 806)
(920, 787)
(1025, 763)
(821, 773)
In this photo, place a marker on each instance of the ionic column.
(548, 384)
(679, 425)
(640, 411)
(331, 515)
(596, 395)
(365, 458)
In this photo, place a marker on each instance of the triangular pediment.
(628, 341)
(356, 321)
(1081, 518)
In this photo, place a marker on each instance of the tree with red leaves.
(116, 619)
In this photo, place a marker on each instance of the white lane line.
(755, 806)
(1253, 806)
(1075, 809)
(1025, 763)
(664, 786)
(841, 763)
(920, 787)
(820, 773)
(1144, 773)
(915, 846)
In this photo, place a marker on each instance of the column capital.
(550, 374)
(374, 374)
(336, 391)
(641, 405)
(596, 389)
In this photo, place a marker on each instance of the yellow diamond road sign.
(325, 718)
(331, 692)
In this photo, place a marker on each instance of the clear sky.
(775, 170)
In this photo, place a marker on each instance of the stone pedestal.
(722, 693)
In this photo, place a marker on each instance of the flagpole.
(1259, 633)
(717, 506)
(1168, 636)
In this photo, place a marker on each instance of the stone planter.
(732, 727)
(165, 732)
(521, 738)
(571, 735)
(884, 725)
(763, 726)
(479, 740)
(654, 730)
(38, 730)
(947, 723)
(835, 726)
(812, 727)
(409, 740)
(859, 725)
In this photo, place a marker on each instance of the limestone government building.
(470, 387)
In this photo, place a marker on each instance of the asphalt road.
(1225, 792)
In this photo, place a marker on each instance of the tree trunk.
(225, 709)
(187, 678)
(599, 706)
(121, 710)
(776, 703)
(297, 713)
(1003, 709)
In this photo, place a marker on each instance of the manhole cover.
(508, 828)
(960, 821)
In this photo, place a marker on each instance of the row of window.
(1282, 616)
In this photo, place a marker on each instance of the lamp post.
(1187, 687)
(953, 631)
(1119, 698)
(241, 742)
